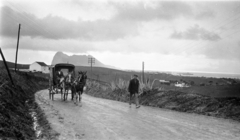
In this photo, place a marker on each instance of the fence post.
(9, 74)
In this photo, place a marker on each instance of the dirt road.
(101, 119)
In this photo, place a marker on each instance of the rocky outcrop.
(77, 60)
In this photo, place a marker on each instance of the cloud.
(196, 33)
(56, 27)
(164, 10)
(205, 15)
(66, 45)
(124, 22)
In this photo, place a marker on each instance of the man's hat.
(135, 75)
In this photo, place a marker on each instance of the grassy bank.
(17, 103)
(225, 107)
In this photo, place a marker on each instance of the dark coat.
(57, 78)
(59, 74)
(133, 86)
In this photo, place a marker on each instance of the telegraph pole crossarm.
(91, 60)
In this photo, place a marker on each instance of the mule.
(68, 85)
(78, 86)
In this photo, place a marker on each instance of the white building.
(181, 85)
(39, 67)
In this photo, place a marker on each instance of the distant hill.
(12, 65)
(77, 60)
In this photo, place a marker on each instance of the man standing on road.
(133, 89)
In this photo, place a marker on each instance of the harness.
(69, 78)
(80, 82)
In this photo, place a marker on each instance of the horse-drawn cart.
(58, 75)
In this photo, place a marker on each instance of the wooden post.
(143, 72)
(91, 68)
(9, 74)
(91, 61)
(17, 48)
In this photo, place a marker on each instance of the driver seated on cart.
(60, 77)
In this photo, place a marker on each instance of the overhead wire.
(28, 19)
(216, 28)
(187, 46)
(38, 27)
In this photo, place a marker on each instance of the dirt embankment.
(228, 107)
(17, 106)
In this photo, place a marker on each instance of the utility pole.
(143, 72)
(5, 63)
(91, 61)
(17, 47)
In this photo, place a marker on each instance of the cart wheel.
(53, 96)
(50, 94)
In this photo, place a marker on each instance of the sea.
(205, 74)
(196, 74)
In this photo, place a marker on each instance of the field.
(219, 97)
(225, 107)
(214, 87)
(219, 87)
(212, 91)
(12, 65)
(219, 100)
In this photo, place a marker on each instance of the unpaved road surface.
(101, 119)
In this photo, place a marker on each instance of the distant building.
(164, 82)
(182, 84)
(39, 67)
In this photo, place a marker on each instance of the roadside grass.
(222, 91)
(17, 103)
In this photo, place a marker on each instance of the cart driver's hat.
(135, 75)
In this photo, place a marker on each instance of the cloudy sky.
(166, 35)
